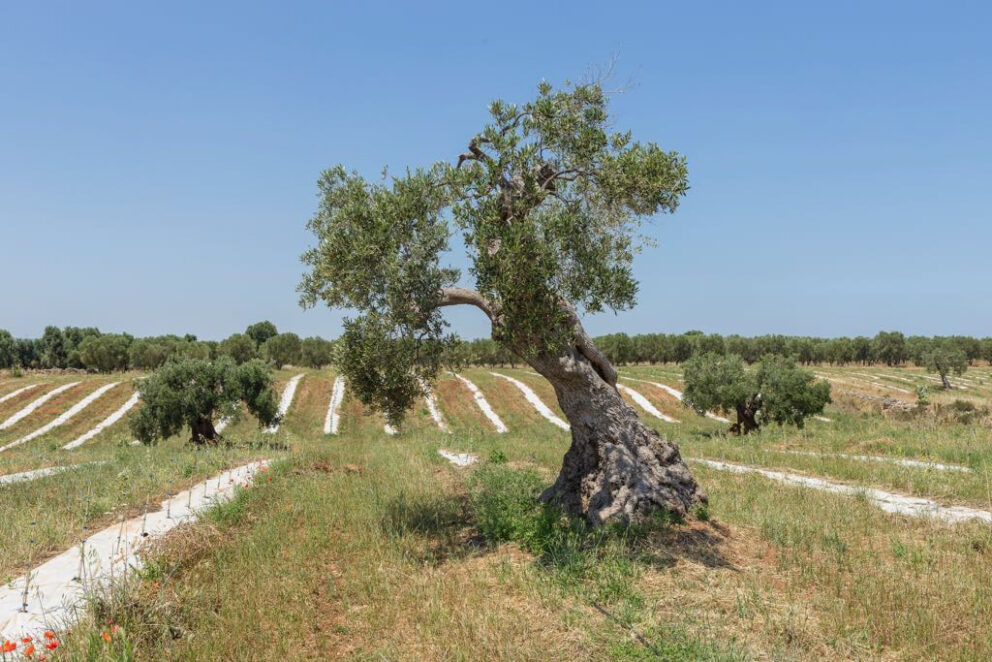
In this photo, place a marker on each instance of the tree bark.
(203, 432)
(746, 419)
(617, 469)
(945, 382)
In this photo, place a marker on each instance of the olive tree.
(548, 199)
(8, 349)
(105, 353)
(775, 390)
(282, 349)
(239, 346)
(193, 392)
(315, 352)
(945, 357)
(261, 331)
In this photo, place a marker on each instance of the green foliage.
(776, 390)
(54, 353)
(239, 346)
(496, 456)
(890, 347)
(945, 357)
(186, 391)
(282, 349)
(260, 332)
(105, 353)
(8, 349)
(151, 353)
(504, 503)
(788, 394)
(547, 199)
(715, 382)
(316, 352)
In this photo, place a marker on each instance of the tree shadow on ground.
(437, 528)
(703, 543)
(432, 529)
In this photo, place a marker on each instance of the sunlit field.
(365, 545)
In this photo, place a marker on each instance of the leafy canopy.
(775, 390)
(185, 392)
(944, 358)
(547, 199)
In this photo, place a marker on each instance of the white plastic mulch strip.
(14, 394)
(57, 587)
(287, 399)
(459, 459)
(333, 419)
(24, 476)
(896, 377)
(72, 411)
(917, 464)
(887, 501)
(390, 430)
(645, 404)
(535, 401)
(105, 423)
(824, 419)
(483, 404)
(433, 408)
(36, 403)
(676, 393)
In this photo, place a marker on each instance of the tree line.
(887, 348)
(86, 348)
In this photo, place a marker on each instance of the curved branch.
(455, 296)
(588, 349)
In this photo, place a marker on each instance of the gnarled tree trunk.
(204, 432)
(616, 468)
(746, 418)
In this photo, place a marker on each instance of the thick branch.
(455, 296)
(588, 349)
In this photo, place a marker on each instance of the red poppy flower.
(49, 634)
(52, 645)
(106, 636)
(8, 646)
(29, 651)
(27, 640)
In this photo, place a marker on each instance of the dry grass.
(370, 547)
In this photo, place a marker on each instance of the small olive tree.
(193, 392)
(945, 358)
(775, 390)
(548, 199)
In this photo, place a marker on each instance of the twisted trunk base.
(617, 469)
(203, 432)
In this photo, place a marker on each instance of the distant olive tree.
(261, 331)
(775, 390)
(192, 393)
(239, 346)
(945, 357)
(316, 352)
(105, 353)
(8, 349)
(282, 349)
(548, 198)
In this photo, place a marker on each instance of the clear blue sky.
(158, 160)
